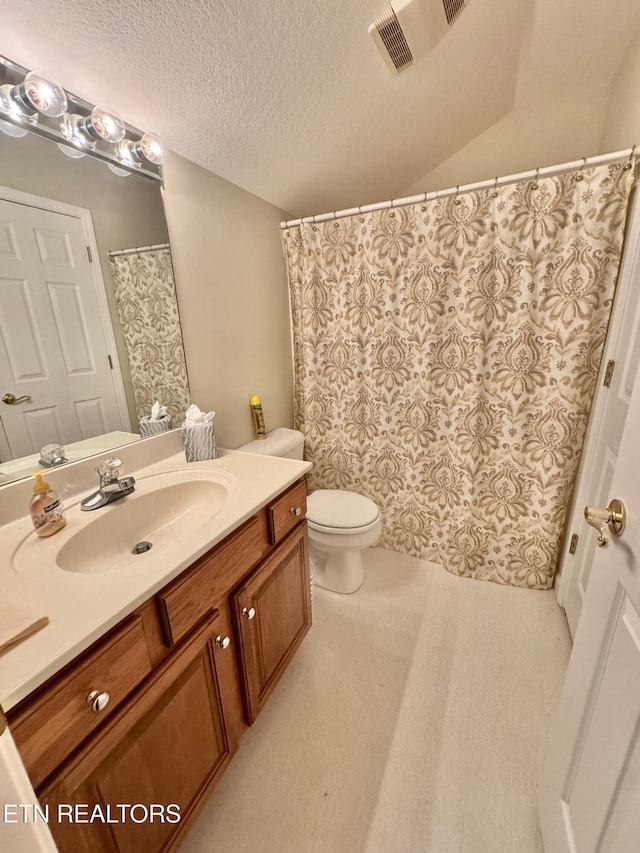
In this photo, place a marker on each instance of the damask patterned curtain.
(148, 308)
(446, 355)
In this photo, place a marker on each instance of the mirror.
(126, 211)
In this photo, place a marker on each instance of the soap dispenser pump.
(47, 511)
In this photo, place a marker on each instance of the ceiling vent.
(408, 29)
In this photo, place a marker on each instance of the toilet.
(340, 523)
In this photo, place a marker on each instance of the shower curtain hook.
(495, 188)
(457, 201)
(534, 185)
(629, 164)
(580, 176)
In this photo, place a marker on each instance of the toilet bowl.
(341, 524)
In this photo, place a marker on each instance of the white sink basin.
(164, 509)
(158, 518)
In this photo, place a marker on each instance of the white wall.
(233, 299)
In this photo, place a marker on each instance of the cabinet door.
(228, 677)
(273, 614)
(168, 745)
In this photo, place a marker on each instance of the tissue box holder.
(149, 427)
(199, 442)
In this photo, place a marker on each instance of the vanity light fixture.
(34, 101)
(37, 94)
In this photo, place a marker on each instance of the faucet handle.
(110, 469)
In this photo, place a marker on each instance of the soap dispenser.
(47, 511)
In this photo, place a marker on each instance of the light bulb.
(69, 151)
(71, 128)
(43, 94)
(152, 149)
(103, 123)
(12, 129)
(121, 173)
(149, 147)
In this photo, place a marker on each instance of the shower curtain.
(446, 355)
(148, 309)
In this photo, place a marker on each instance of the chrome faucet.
(112, 485)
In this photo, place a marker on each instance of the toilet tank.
(288, 443)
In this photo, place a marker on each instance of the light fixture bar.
(103, 145)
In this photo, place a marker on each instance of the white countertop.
(82, 607)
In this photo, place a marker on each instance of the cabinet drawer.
(285, 512)
(56, 720)
(184, 603)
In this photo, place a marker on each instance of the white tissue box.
(199, 441)
(148, 426)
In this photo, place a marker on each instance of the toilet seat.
(339, 511)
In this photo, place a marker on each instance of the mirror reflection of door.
(54, 348)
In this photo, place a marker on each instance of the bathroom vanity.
(151, 711)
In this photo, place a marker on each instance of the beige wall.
(126, 212)
(524, 139)
(622, 121)
(232, 293)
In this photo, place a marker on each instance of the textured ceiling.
(291, 100)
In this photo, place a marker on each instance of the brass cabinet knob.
(614, 517)
(249, 612)
(296, 510)
(98, 699)
(223, 642)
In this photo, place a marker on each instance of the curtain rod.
(116, 252)
(427, 196)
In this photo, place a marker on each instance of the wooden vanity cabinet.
(273, 614)
(168, 746)
(189, 669)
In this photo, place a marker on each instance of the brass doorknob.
(11, 399)
(614, 517)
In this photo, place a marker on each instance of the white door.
(590, 796)
(607, 422)
(52, 344)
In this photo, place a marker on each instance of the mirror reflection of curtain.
(148, 308)
(446, 355)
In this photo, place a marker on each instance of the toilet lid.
(338, 508)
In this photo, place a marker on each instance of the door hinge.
(573, 547)
(110, 362)
(89, 254)
(608, 374)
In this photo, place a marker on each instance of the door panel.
(54, 349)
(591, 786)
(607, 421)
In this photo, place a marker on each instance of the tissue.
(197, 435)
(158, 411)
(158, 421)
(194, 415)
